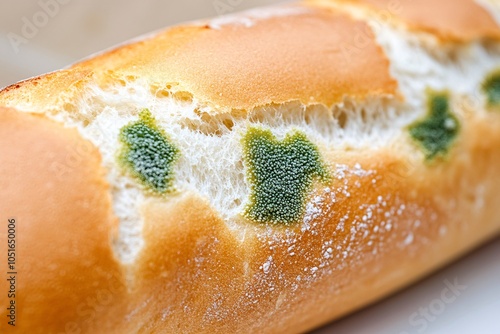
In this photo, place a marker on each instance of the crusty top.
(315, 53)
(274, 60)
(469, 21)
(304, 56)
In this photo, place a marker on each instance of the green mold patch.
(281, 174)
(491, 87)
(437, 131)
(148, 154)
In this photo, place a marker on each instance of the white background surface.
(79, 28)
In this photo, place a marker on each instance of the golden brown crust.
(275, 60)
(193, 262)
(469, 21)
(48, 93)
(229, 67)
(53, 185)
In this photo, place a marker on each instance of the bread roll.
(265, 172)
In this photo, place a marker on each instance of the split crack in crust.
(349, 124)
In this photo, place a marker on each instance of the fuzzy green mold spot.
(148, 153)
(281, 174)
(437, 131)
(491, 87)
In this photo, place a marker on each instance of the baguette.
(264, 172)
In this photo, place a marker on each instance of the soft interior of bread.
(210, 141)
